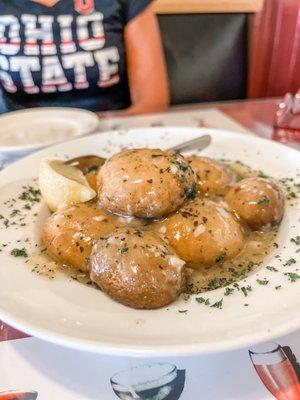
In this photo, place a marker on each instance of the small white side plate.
(28, 130)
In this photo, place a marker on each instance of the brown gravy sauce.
(257, 246)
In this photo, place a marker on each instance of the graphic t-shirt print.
(55, 53)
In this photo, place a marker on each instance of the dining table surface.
(257, 115)
(253, 116)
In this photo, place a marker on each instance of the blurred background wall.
(274, 67)
(230, 49)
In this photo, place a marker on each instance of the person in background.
(101, 55)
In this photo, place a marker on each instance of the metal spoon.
(90, 163)
(199, 144)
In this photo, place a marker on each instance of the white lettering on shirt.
(26, 65)
(5, 78)
(79, 62)
(9, 45)
(94, 21)
(33, 34)
(58, 73)
(107, 60)
(67, 43)
(53, 76)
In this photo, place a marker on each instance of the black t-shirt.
(70, 54)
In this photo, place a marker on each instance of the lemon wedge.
(62, 184)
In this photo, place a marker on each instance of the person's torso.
(72, 50)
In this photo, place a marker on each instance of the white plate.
(28, 130)
(66, 312)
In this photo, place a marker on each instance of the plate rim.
(175, 350)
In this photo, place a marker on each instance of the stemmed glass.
(146, 382)
(276, 371)
(18, 395)
(287, 122)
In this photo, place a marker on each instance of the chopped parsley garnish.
(216, 283)
(264, 201)
(270, 268)
(124, 250)
(278, 287)
(30, 195)
(221, 256)
(262, 281)
(246, 289)
(182, 311)
(186, 296)
(290, 262)
(191, 193)
(218, 304)
(182, 166)
(228, 291)
(293, 277)
(296, 240)
(202, 300)
(19, 252)
(14, 213)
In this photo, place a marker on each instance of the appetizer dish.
(149, 252)
(146, 225)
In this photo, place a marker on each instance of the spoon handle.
(199, 143)
(86, 162)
